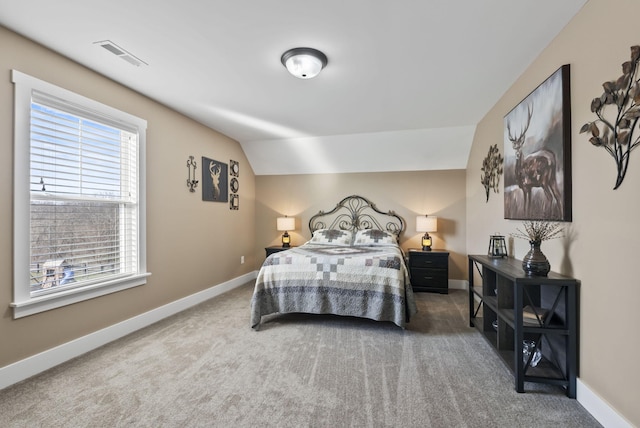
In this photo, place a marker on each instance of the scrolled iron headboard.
(357, 213)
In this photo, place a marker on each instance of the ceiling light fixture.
(304, 63)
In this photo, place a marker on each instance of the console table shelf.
(508, 307)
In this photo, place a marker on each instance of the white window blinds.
(83, 197)
(79, 198)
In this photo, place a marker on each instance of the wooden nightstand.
(276, 249)
(429, 270)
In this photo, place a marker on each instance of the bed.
(352, 266)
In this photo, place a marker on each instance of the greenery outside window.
(79, 202)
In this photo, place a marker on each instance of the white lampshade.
(286, 223)
(426, 224)
(304, 63)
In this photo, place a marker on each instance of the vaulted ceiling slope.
(406, 82)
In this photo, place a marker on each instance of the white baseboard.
(24, 369)
(458, 284)
(599, 409)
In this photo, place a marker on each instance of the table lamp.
(285, 224)
(426, 224)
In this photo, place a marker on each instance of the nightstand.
(275, 249)
(429, 270)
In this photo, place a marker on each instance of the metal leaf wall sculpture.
(491, 170)
(616, 132)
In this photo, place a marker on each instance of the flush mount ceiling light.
(304, 63)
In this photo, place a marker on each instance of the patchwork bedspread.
(361, 281)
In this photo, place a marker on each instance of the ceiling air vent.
(122, 53)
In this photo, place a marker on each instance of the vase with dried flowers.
(535, 263)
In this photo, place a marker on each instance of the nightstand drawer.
(436, 262)
(429, 277)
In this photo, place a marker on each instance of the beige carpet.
(205, 367)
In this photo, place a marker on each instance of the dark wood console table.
(509, 307)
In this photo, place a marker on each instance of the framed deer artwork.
(537, 153)
(214, 181)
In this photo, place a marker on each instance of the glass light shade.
(286, 223)
(304, 63)
(304, 66)
(426, 224)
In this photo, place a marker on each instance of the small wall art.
(234, 202)
(234, 185)
(235, 168)
(192, 183)
(492, 170)
(537, 153)
(214, 180)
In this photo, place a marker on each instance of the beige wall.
(409, 194)
(191, 245)
(603, 240)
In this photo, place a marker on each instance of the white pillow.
(332, 237)
(368, 237)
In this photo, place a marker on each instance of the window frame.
(23, 303)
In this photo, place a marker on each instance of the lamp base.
(426, 242)
(286, 240)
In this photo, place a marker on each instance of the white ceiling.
(406, 82)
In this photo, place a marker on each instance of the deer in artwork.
(537, 169)
(215, 171)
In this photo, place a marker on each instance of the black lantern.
(497, 246)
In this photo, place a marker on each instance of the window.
(79, 202)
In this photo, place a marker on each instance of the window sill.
(52, 301)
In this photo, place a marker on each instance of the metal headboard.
(357, 213)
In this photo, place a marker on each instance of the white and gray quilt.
(362, 281)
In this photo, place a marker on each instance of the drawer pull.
(428, 277)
